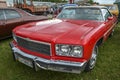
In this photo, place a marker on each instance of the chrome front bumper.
(37, 62)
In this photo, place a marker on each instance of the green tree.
(91, 1)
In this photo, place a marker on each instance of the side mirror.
(110, 18)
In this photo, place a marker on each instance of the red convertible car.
(68, 43)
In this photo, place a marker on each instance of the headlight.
(14, 37)
(77, 51)
(65, 48)
(69, 50)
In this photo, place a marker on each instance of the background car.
(12, 17)
(113, 8)
(61, 7)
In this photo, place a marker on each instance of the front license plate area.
(25, 61)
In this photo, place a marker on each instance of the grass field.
(107, 67)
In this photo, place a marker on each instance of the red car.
(68, 43)
(12, 17)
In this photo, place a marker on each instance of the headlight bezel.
(14, 36)
(71, 52)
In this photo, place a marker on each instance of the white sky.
(105, 1)
(100, 1)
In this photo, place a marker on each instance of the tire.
(91, 63)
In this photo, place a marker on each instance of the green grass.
(107, 67)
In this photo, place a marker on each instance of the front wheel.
(91, 63)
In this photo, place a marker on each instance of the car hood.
(58, 31)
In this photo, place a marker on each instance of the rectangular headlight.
(69, 50)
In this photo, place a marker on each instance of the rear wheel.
(91, 63)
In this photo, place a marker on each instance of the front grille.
(35, 46)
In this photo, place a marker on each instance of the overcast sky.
(105, 1)
(100, 1)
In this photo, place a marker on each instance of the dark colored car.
(12, 17)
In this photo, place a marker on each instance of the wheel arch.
(96, 45)
(99, 41)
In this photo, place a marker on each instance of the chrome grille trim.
(38, 42)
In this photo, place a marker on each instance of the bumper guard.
(37, 62)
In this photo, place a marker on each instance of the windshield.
(81, 14)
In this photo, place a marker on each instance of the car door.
(13, 19)
(109, 23)
(2, 24)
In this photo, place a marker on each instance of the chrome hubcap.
(93, 58)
